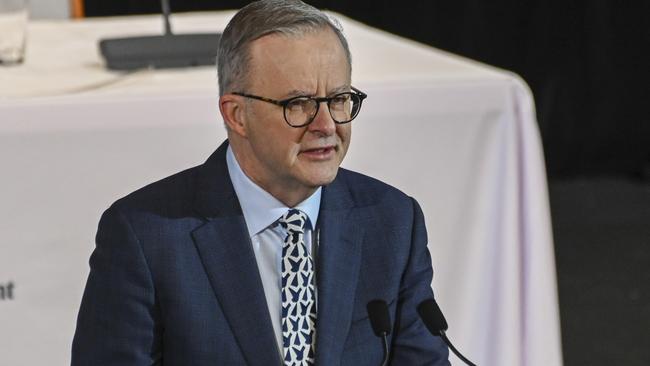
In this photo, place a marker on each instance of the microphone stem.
(166, 14)
(385, 339)
(454, 350)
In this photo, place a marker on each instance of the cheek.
(286, 146)
(275, 141)
(291, 152)
(345, 133)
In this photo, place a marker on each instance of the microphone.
(435, 322)
(380, 322)
(168, 50)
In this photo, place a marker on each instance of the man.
(268, 253)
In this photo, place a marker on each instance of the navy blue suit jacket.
(173, 278)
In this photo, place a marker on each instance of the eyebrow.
(296, 93)
(340, 89)
(302, 93)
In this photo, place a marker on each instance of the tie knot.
(294, 220)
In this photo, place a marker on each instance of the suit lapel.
(339, 255)
(224, 247)
(229, 261)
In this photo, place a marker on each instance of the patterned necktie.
(298, 298)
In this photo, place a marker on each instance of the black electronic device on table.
(161, 51)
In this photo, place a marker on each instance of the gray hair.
(258, 19)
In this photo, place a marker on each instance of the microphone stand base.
(160, 52)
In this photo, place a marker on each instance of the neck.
(290, 193)
(291, 197)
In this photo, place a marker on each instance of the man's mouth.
(320, 152)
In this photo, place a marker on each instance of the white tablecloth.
(459, 136)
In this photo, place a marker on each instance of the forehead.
(309, 62)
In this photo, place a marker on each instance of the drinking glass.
(13, 29)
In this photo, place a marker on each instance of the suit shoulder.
(368, 190)
(169, 193)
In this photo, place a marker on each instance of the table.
(75, 137)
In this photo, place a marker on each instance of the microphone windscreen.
(432, 316)
(379, 317)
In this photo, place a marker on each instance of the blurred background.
(587, 66)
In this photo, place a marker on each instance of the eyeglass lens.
(342, 107)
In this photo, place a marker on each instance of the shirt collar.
(259, 207)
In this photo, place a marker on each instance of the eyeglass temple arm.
(362, 95)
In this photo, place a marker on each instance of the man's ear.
(232, 110)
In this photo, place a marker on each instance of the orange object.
(77, 8)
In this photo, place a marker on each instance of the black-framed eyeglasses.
(301, 111)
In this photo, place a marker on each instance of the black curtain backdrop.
(585, 62)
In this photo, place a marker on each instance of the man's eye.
(340, 99)
(299, 104)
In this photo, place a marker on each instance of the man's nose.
(323, 122)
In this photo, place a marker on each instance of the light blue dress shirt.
(261, 211)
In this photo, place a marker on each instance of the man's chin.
(322, 180)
